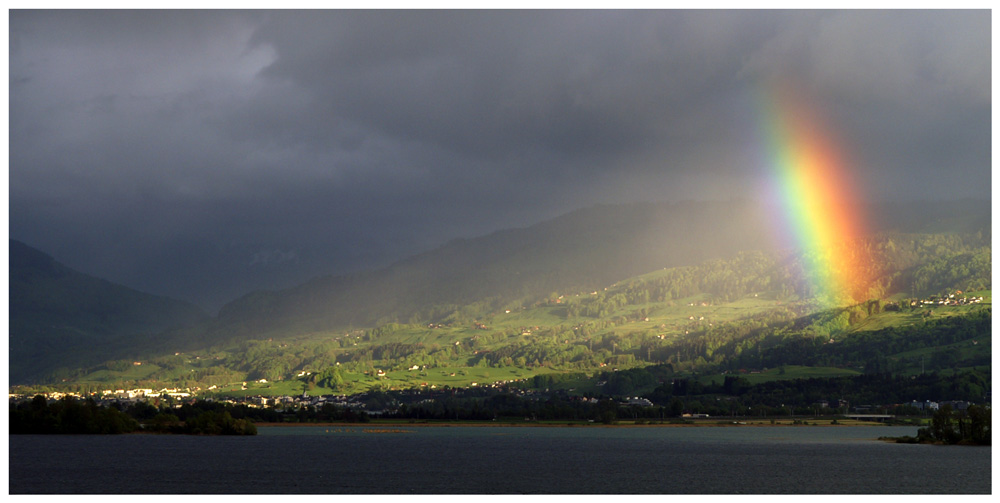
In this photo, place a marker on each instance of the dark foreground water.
(500, 460)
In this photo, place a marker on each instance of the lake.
(501, 460)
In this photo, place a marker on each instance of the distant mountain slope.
(933, 217)
(59, 316)
(584, 250)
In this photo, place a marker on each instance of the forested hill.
(61, 317)
(584, 250)
(752, 311)
(58, 316)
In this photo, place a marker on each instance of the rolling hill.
(672, 252)
(719, 318)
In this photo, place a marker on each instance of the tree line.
(69, 415)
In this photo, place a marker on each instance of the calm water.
(500, 460)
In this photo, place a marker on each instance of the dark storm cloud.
(205, 153)
(492, 84)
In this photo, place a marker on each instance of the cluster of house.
(138, 394)
(354, 401)
(926, 405)
(929, 405)
(952, 299)
(639, 401)
(147, 393)
(357, 402)
(293, 402)
(51, 395)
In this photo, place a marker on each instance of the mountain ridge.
(55, 312)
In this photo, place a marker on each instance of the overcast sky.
(202, 154)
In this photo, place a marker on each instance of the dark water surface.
(500, 460)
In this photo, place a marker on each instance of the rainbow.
(811, 179)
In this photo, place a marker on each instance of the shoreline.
(491, 424)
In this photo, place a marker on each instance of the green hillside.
(686, 288)
(749, 315)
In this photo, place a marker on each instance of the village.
(374, 404)
(952, 299)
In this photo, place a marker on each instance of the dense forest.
(971, 427)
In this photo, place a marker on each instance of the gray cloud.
(165, 149)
